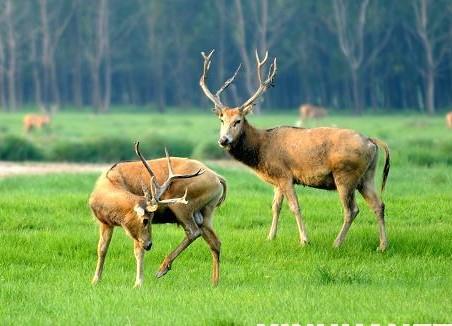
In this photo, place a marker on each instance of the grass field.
(48, 242)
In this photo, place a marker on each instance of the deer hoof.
(382, 247)
(162, 271)
(304, 242)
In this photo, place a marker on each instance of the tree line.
(361, 55)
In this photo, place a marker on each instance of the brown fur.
(308, 112)
(35, 121)
(119, 191)
(449, 120)
(325, 158)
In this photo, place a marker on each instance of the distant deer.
(35, 121)
(325, 158)
(449, 120)
(309, 112)
(133, 195)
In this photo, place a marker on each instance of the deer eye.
(145, 221)
(236, 123)
(222, 121)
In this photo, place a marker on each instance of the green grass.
(48, 242)
(48, 255)
(414, 139)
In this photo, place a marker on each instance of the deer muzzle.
(224, 141)
(147, 245)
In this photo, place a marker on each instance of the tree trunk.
(356, 88)
(54, 83)
(35, 72)
(77, 68)
(11, 56)
(107, 85)
(95, 80)
(3, 102)
(430, 91)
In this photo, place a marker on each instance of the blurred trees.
(362, 54)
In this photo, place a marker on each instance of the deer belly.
(320, 181)
(165, 216)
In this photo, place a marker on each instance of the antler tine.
(271, 72)
(228, 82)
(202, 81)
(180, 200)
(171, 177)
(146, 164)
(263, 85)
(146, 193)
(155, 189)
(170, 168)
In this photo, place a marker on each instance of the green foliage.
(415, 140)
(428, 152)
(208, 150)
(14, 148)
(93, 150)
(156, 61)
(154, 145)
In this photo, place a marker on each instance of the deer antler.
(263, 85)
(158, 190)
(202, 81)
(171, 177)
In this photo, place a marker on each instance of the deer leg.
(276, 209)
(215, 246)
(139, 255)
(351, 210)
(295, 209)
(369, 194)
(192, 232)
(105, 233)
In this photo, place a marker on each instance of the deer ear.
(247, 109)
(139, 210)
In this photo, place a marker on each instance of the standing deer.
(449, 120)
(133, 195)
(308, 112)
(35, 121)
(325, 158)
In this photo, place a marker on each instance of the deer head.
(232, 118)
(152, 198)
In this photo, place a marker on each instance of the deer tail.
(225, 189)
(385, 147)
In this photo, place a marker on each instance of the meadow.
(48, 238)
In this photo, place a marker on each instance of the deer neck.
(248, 147)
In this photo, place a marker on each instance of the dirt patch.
(21, 168)
(32, 168)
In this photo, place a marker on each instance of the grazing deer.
(133, 195)
(325, 158)
(37, 121)
(449, 120)
(309, 112)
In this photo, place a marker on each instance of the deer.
(135, 195)
(35, 121)
(449, 120)
(325, 157)
(309, 111)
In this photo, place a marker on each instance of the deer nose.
(148, 246)
(223, 141)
